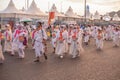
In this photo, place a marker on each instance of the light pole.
(61, 6)
(48, 6)
(27, 4)
(85, 11)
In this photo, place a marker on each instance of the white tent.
(11, 11)
(57, 14)
(70, 13)
(34, 10)
(116, 17)
(106, 17)
(96, 15)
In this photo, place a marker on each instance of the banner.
(51, 17)
(11, 24)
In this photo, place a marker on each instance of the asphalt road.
(91, 65)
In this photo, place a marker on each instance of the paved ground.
(91, 65)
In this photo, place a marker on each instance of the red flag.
(11, 24)
(51, 16)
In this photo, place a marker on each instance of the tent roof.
(106, 17)
(70, 13)
(116, 17)
(33, 9)
(96, 15)
(11, 8)
(54, 9)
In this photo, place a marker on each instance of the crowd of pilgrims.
(64, 39)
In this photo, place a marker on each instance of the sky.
(102, 6)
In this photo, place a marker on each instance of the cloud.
(99, 2)
(101, 5)
(111, 3)
(75, 0)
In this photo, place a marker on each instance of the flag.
(11, 23)
(51, 16)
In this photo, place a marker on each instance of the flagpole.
(48, 6)
(25, 4)
(85, 11)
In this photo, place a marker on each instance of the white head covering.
(34, 26)
(71, 25)
(20, 26)
(99, 28)
(23, 33)
(64, 26)
(57, 26)
(8, 26)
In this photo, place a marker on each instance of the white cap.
(23, 33)
(64, 26)
(57, 26)
(7, 25)
(20, 26)
(71, 25)
(99, 28)
(34, 26)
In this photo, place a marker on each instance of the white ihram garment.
(17, 45)
(21, 47)
(1, 52)
(15, 41)
(116, 40)
(8, 44)
(99, 42)
(39, 46)
(109, 32)
(65, 35)
(80, 35)
(86, 37)
(53, 42)
(60, 46)
(74, 45)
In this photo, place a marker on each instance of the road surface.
(91, 65)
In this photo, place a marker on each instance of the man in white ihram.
(39, 41)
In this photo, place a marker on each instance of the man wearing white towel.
(40, 38)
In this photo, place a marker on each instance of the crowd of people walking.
(65, 39)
